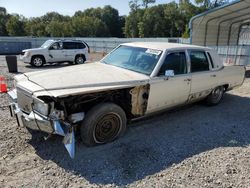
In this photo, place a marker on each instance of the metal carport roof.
(220, 26)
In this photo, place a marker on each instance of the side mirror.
(169, 73)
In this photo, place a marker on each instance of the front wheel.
(103, 123)
(37, 61)
(215, 96)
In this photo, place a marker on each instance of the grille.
(24, 100)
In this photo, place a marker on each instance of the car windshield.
(47, 43)
(142, 60)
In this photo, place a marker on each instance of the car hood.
(33, 49)
(90, 77)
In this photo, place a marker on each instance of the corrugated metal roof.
(220, 26)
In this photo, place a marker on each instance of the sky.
(34, 8)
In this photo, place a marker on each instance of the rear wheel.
(37, 61)
(80, 59)
(215, 96)
(103, 123)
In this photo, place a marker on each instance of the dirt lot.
(196, 146)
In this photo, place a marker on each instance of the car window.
(211, 60)
(199, 61)
(47, 43)
(80, 45)
(121, 55)
(142, 60)
(69, 45)
(55, 46)
(175, 61)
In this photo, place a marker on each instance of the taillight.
(89, 50)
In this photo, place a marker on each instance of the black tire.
(103, 123)
(79, 59)
(215, 96)
(37, 61)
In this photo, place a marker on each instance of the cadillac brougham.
(134, 80)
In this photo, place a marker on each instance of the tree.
(174, 18)
(88, 27)
(110, 17)
(50, 16)
(3, 11)
(146, 2)
(134, 5)
(152, 24)
(131, 28)
(208, 4)
(15, 25)
(3, 20)
(59, 29)
(36, 27)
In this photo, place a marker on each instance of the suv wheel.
(80, 59)
(37, 61)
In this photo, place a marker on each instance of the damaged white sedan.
(134, 80)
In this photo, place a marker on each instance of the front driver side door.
(56, 53)
(165, 91)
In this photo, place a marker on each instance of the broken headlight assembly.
(40, 106)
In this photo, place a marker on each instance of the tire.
(103, 123)
(79, 59)
(215, 96)
(37, 61)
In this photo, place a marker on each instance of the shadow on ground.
(154, 144)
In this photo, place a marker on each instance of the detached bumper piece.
(39, 123)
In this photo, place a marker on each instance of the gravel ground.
(195, 146)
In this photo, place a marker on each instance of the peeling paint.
(139, 99)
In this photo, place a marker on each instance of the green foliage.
(146, 2)
(86, 26)
(36, 27)
(134, 5)
(15, 25)
(165, 20)
(3, 11)
(186, 32)
(208, 4)
(131, 28)
(153, 24)
(3, 20)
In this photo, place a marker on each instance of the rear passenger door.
(70, 50)
(203, 79)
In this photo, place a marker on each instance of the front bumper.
(37, 122)
(32, 121)
(25, 59)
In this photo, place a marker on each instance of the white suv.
(56, 51)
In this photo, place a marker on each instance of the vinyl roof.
(163, 45)
(220, 26)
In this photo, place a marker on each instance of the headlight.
(27, 54)
(40, 107)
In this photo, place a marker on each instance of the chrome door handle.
(188, 80)
(213, 75)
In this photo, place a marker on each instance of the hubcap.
(107, 128)
(37, 62)
(79, 60)
(217, 94)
